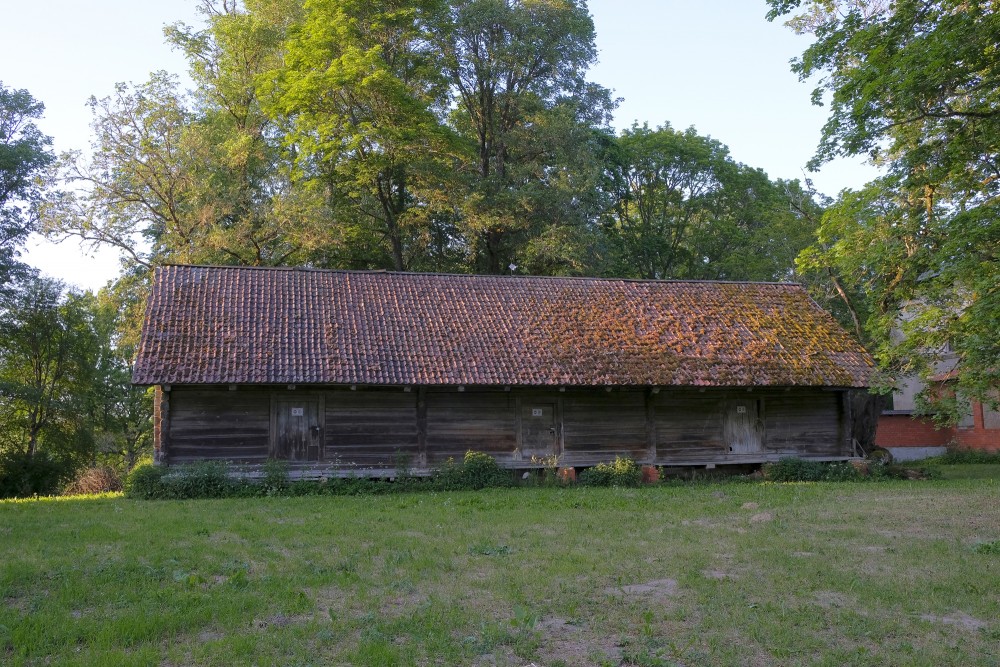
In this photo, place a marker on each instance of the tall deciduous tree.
(681, 207)
(362, 90)
(24, 155)
(197, 177)
(517, 69)
(47, 360)
(915, 86)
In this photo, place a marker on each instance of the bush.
(23, 475)
(145, 482)
(276, 479)
(799, 470)
(98, 479)
(476, 471)
(968, 456)
(207, 479)
(621, 472)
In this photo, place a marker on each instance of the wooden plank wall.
(689, 426)
(375, 427)
(483, 421)
(371, 428)
(219, 424)
(805, 423)
(600, 425)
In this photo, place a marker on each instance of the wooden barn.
(355, 372)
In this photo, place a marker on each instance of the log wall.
(384, 427)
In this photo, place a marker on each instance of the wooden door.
(744, 426)
(298, 432)
(538, 430)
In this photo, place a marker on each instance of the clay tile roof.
(229, 325)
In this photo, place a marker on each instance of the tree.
(24, 155)
(198, 177)
(48, 350)
(361, 89)
(681, 207)
(915, 87)
(517, 71)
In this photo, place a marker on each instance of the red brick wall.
(907, 431)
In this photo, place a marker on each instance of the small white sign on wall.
(298, 412)
(741, 409)
(536, 412)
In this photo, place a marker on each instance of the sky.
(717, 65)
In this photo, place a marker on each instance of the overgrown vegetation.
(958, 456)
(213, 480)
(476, 471)
(697, 574)
(620, 472)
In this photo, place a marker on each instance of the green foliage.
(620, 472)
(959, 456)
(23, 475)
(24, 155)
(276, 478)
(65, 376)
(989, 548)
(800, 470)
(49, 353)
(144, 482)
(682, 208)
(914, 87)
(476, 471)
(207, 479)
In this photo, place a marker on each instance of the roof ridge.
(444, 274)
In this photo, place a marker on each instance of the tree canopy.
(914, 86)
(24, 155)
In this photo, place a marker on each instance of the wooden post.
(422, 427)
(848, 423)
(650, 427)
(518, 441)
(161, 424)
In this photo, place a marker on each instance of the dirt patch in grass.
(573, 644)
(832, 600)
(957, 619)
(658, 587)
(718, 575)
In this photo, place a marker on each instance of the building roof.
(231, 325)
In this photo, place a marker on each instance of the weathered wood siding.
(600, 425)
(457, 421)
(689, 427)
(805, 423)
(371, 428)
(218, 424)
(380, 428)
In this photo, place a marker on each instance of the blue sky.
(717, 65)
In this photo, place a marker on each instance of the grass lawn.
(734, 574)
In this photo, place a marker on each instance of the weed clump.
(476, 471)
(621, 472)
(799, 470)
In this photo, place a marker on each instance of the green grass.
(733, 574)
(967, 471)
